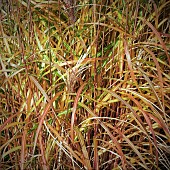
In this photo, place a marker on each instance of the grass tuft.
(84, 84)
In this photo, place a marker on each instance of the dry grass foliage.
(84, 84)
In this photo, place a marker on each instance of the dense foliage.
(84, 84)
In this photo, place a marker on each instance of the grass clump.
(84, 84)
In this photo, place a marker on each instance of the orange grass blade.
(159, 77)
(148, 122)
(117, 144)
(74, 110)
(133, 147)
(40, 88)
(64, 143)
(96, 157)
(23, 147)
(129, 62)
(158, 36)
(84, 150)
(43, 117)
(152, 106)
(44, 161)
(3, 126)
